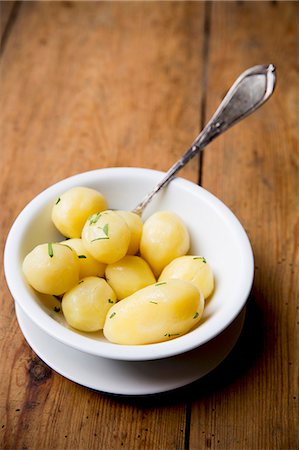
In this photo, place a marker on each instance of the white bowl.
(215, 233)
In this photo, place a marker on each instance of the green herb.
(57, 201)
(82, 256)
(202, 258)
(110, 301)
(81, 281)
(94, 218)
(153, 302)
(65, 245)
(99, 239)
(196, 315)
(112, 315)
(106, 229)
(170, 335)
(56, 309)
(160, 284)
(50, 250)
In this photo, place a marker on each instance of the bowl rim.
(189, 341)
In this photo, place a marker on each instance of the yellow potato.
(156, 313)
(128, 275)
(86, 305)
(106, 236)
(51, 268)
(72, 209)
(89, 266)
(191, 268)
(164, 238)
(135, 224)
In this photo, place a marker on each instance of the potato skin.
(88, 265)
(106, 236)
(191, 268)
(155, 313)
(73, 207)
(135, 224)
(54, 274)
(128, 275)
(85, 306)
(164, 237)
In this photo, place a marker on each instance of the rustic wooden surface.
(87, 85)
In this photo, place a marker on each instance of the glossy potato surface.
(51, 268)
(128, 275)
(164, 237)
(85, 306)
(135, 224)
(72, 208)
(191, 268)
(106, 236)
(88, 265)
(155, 313)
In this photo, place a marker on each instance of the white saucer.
(130, 377)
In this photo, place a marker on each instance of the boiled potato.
(128, 275)
(86, 305)
(72, 209)
(135, 224)
(164, 237)
(191, 268)
(89, 266)
(51, 268)
(155, 313)
(106, 236)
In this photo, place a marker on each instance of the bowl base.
(130, 377)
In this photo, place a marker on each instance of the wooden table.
(101, 84)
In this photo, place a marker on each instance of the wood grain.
(89, 85)
(254, 169)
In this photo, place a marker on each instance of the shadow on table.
(245, 354)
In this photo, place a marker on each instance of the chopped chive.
(202, 258)
(106, 229)
(153, 302)
(81, 281)
(112, 315)
(170, 335)
(50, 250)
(160, 284)
(56, 309)
(94, 218)
(99, 239)
(82, 256)
(110, 301)
(196, 315)
(57, 201)
(67, 246)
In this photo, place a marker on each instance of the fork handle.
(251, 89)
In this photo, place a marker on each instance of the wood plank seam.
(203, 114)
(187, 425)
(205, 53)
(203, 118)
(9, 25)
